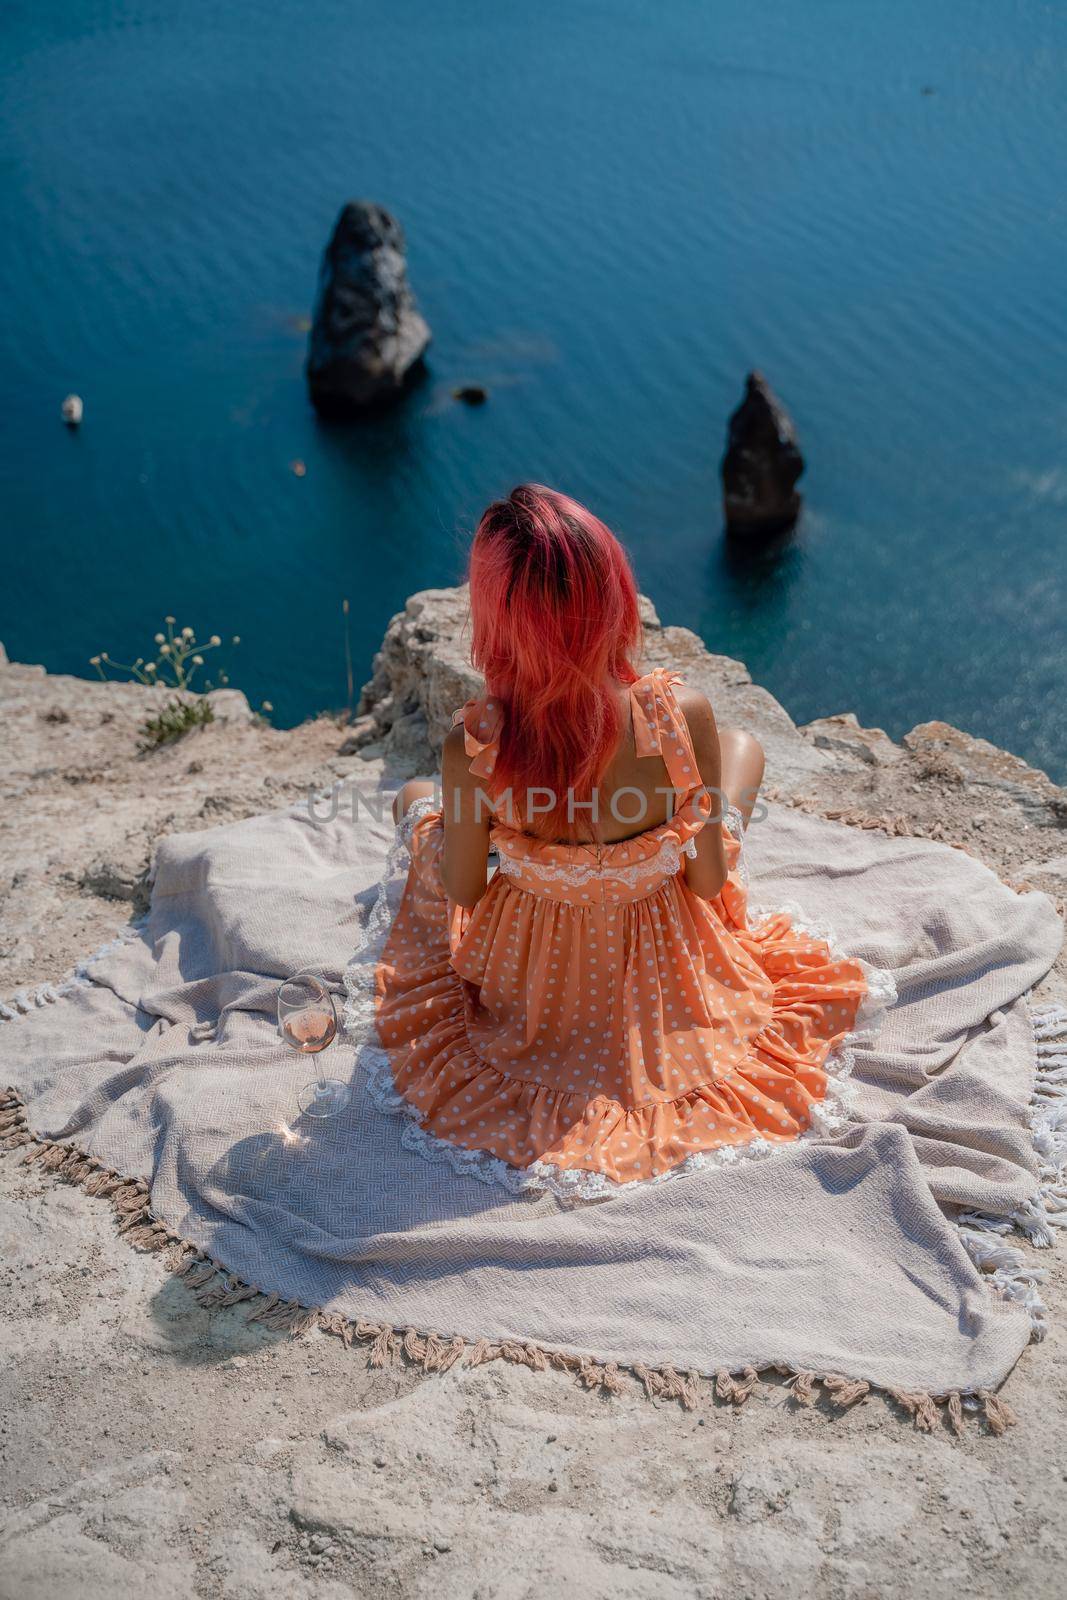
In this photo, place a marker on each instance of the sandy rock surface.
(151, 1449)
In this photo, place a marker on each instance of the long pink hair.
(555, 622)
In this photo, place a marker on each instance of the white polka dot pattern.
(607, 1020)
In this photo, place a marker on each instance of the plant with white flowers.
(175, 666)
(177, 661)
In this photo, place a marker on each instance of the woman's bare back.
(635, 793)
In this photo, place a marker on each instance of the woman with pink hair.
(600, 1011)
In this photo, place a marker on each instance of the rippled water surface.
(613, 211)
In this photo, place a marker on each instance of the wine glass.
(308, 1020)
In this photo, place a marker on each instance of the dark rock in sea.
(761, 465)
(472, 394)
(367, 337)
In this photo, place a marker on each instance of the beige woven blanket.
(841, 1257)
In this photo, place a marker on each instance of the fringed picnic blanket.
(879, 1254)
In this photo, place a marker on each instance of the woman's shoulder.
(690, 706)
(455, 739)
(695, 707)
(689, 700)
(693, 702)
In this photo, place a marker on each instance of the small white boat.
(73, 410)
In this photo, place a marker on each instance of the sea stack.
(761, 465)
(367, 338)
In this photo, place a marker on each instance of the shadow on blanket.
(879, 1257)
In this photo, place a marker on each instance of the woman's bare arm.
(705, 873)
(467, 816)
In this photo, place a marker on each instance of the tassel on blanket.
(280, 1320)
(238, 1292)
(591, 1374)
(650, 1379)
(511, 1350)
(920, 1407)
(11, 1114)
(736, 1390)
(216, 1289)
(611, 1380)
(13, 1129)
(384, 1348)
(844, 1392)
(802, 1387)
(998, 1413)
(923, 1409)
(441, 1354)
(414, 1347)
(341, 1326)
(130, 1197)
(203, 1272)
(1005, 1267)
(27, 1000)
(291, 1319)
(176, 1254)
(46, 994)
(150, 1236)
(304, 1322)
(675, 1387)
(662, 1384)
(1048, 1125)
(535, 1358)
(453, 1353)
(432, 1353)
(560, 1361)
(690, 1395)
(231, 1292)
(258, 1314)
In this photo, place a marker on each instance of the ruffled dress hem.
(818, 1109)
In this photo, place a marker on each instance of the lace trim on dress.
(360, 1026)
(734, 823)
(829, 1116)
(666, 861)
(664, 864)
(881, 984)
(423, 807)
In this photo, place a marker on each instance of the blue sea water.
(614, 210)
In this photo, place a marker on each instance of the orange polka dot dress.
(592, 1022)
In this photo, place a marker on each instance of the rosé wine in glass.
(308, 1022)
